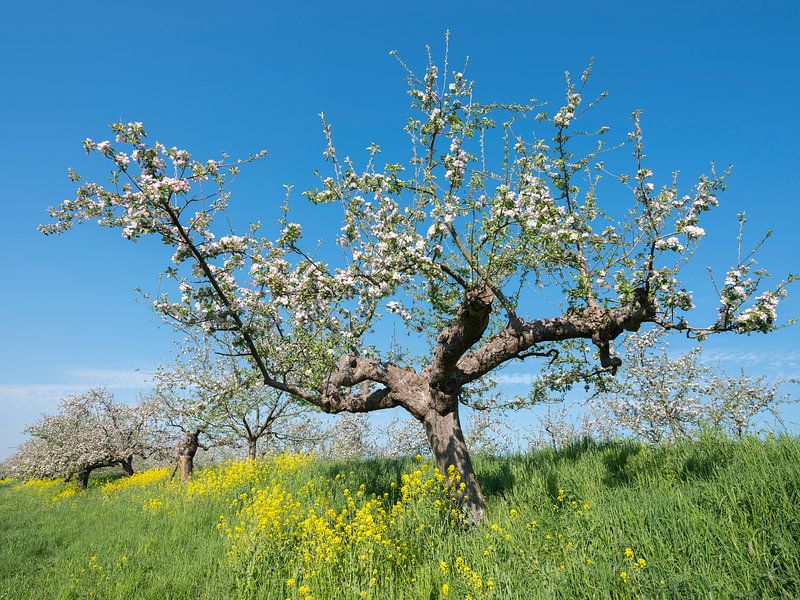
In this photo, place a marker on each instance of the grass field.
(708, 519)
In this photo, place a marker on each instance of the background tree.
(454, 243)
(660, 397)
(218, 394)
(185, 452)
(402, 437)
(743, 403)
(87, 432)
(349, 436)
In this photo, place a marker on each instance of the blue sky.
(716, 82)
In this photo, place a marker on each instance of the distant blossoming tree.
(660, 397)
(453, 243)
(218, 396)
(87, 432)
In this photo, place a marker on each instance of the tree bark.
(83, 478)
(449, 448)
(186, 451)
(252, 449)
(186, 463)
(127, 466)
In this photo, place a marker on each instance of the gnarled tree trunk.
(82, 478)
(186, 451)
(252, 449)
(449, 448)
(127, 465)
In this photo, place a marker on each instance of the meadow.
(712, 518)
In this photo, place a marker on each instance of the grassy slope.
(711, 517)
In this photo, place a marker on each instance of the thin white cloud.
(775, 359)
(113, 378)
(77, 381)
(773, 363)
(516, 378)
(37, 391)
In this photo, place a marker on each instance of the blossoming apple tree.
(660, 397)
(455, 242)
(220, 396)
(87, 432)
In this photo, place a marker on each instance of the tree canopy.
(494, 202)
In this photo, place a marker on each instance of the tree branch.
(460, 334)
(599, 325)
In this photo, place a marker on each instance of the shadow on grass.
(698, 466)
(616, 460)
(495, 475)
(499, 475)
(625, 462)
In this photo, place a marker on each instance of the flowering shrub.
(54, 490)
(236, 475)
(41, 485)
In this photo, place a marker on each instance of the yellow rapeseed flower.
(139, 480)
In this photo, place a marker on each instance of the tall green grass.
(710, 519)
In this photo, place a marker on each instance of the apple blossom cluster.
(737, 289)
(740, 284)
(566, 113)
(455, 162)
(670, 243)
(763, 314)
